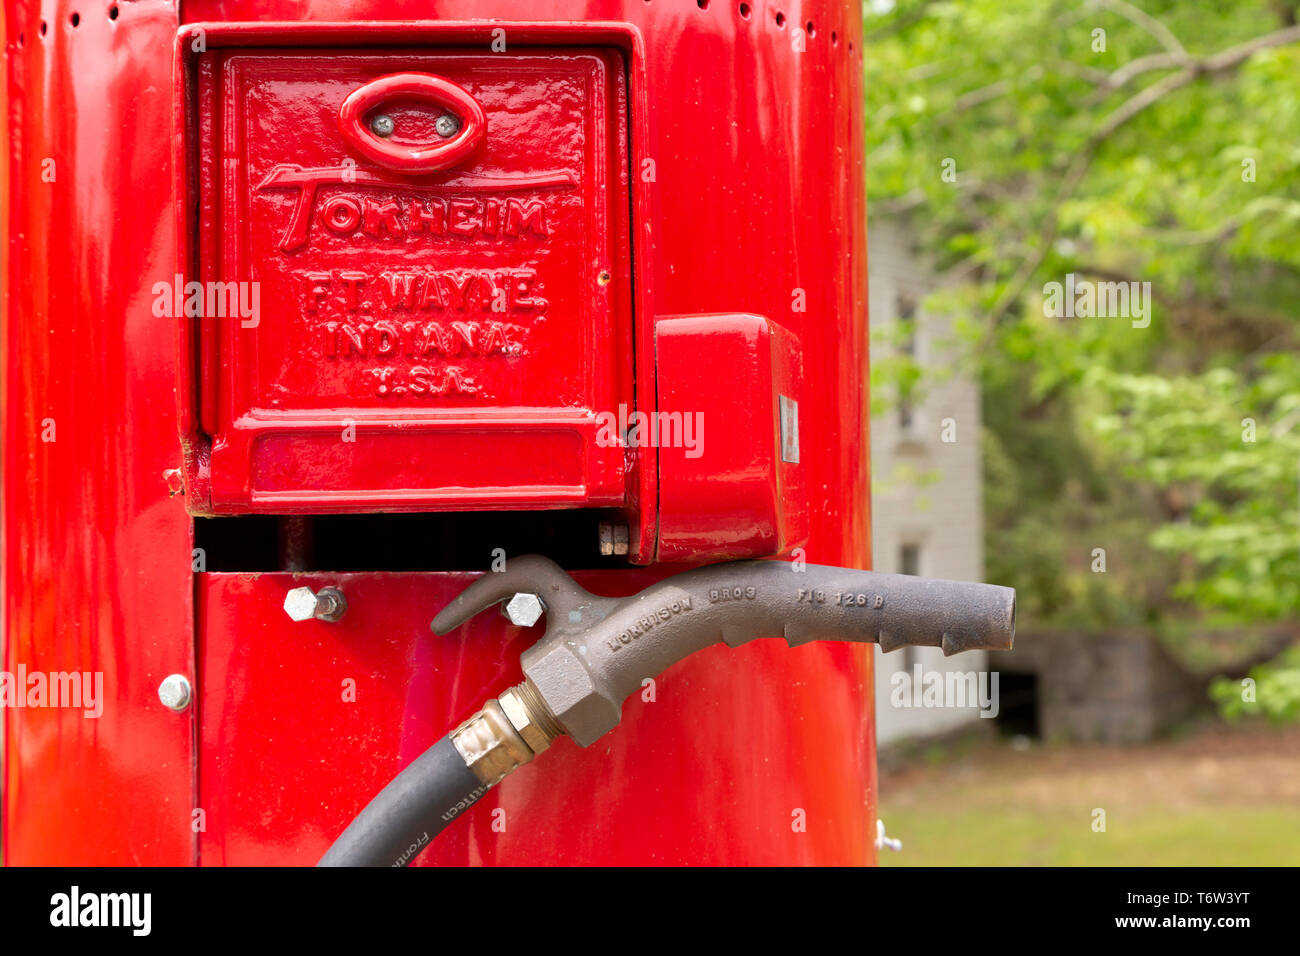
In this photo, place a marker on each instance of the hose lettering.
(646, 622)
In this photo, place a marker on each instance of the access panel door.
(413, 279)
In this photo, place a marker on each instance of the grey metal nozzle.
(597, 650)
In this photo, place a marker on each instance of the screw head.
(447, 125)
(175, 692)
(382, 125)
(524, 610)
(300, 604)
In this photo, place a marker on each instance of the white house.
(926, 483)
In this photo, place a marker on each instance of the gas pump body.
(667, 205)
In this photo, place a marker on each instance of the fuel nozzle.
(597, 650)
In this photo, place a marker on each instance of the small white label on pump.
(789, 429)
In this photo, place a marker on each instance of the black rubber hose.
(406, 815)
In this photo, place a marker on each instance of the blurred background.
(1085, 300)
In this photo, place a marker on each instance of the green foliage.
(1225, 447)
(1272, 691)
(1170, 156)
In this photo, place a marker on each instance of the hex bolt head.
(524, 610)
(447, 125)
(300, 604)
(175, 692)
(382, 125)
(304, 604)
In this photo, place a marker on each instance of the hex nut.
(330, 604)
(582, 710)
(524, 609)
(175, 692)
(613, 538)
(528, 725)
(300, 604)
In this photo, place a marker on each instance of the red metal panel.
(96, 561)
(746, 196)
(712, 770)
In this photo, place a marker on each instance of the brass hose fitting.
(506, 734)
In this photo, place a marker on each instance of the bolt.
(303, 604)
(300, 604)
(174, 692)
(382, 125)
(883, 841)
(447, 125)
(524, 609)
(175, 482)
(613, 538)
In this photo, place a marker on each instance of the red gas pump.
(312, 324)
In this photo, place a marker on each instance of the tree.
(1039, 146)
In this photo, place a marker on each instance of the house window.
(907, 314)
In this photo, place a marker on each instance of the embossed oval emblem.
(417, 158)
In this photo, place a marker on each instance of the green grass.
(1229, 836)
